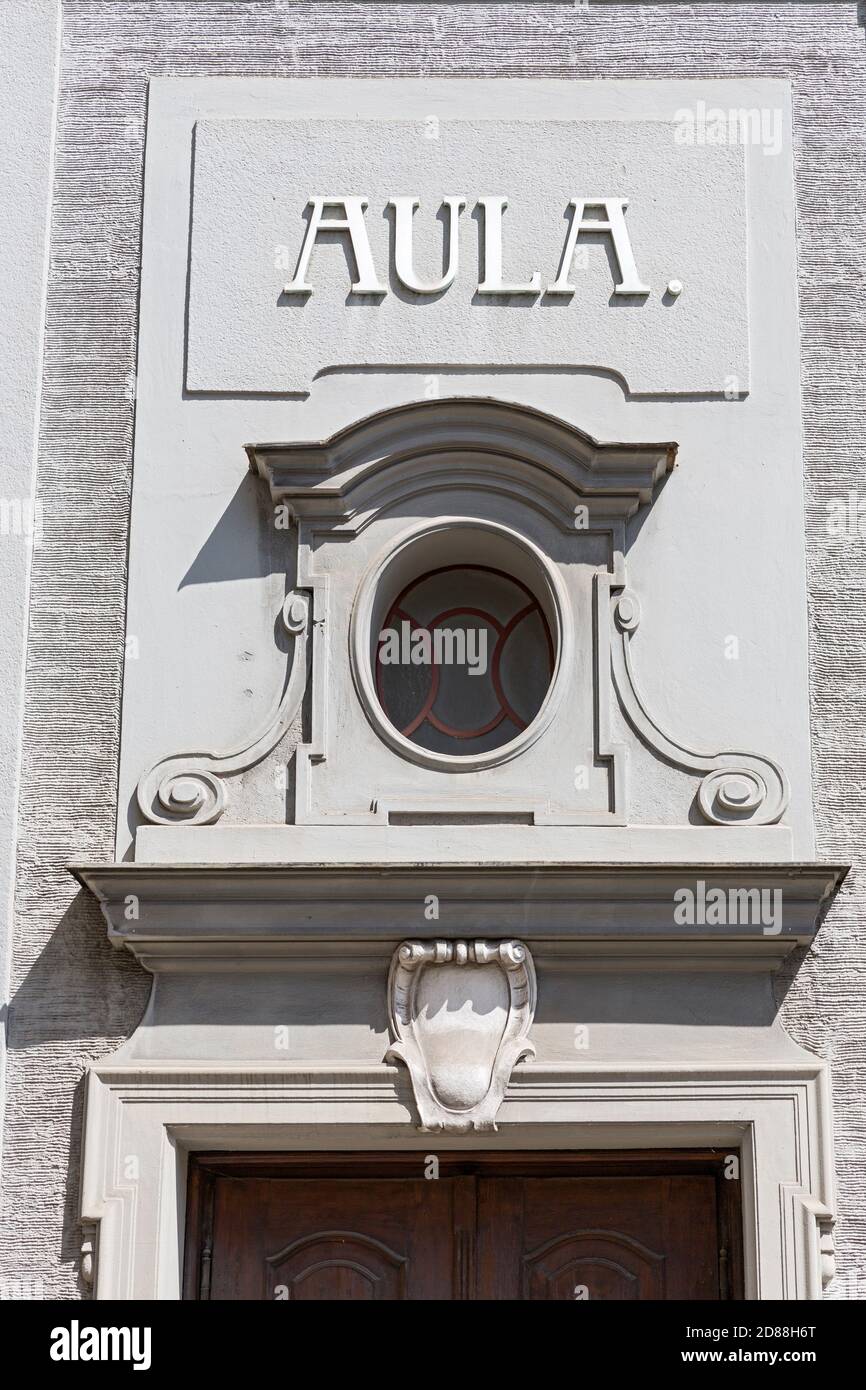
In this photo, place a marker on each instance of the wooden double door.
(481, 1226)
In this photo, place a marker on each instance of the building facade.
(434, 547)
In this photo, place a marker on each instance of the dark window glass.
(464, 660)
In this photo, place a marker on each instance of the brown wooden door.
(530, 1226)
(598, 1238)
(335, 1238)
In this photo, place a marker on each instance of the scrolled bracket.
(827, 1249)
(87, 1265)
(736, 788)
(189, 788)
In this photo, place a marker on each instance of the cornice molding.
(496, 439)
(187, 917)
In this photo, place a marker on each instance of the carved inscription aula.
(344, 214)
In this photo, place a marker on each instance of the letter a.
(353, 223)
(389, 647)
(614, 225)
(59, 1350)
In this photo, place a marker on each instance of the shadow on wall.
(613, 999)
(82, 993)
(244, 544)
(78, 987)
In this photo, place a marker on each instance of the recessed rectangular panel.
(684, 224)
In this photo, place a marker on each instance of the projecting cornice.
(483, 443)
(174, 916)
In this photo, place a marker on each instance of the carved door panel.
(330, 1239)
(598, 1238)
(489, 1226)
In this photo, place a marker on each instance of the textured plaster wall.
(72, 996)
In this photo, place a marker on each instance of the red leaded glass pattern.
(464, 659)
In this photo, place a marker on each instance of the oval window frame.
(372, 601)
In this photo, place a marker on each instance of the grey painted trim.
(29, 78)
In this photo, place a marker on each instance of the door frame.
(206, 1167)
(777, 1114)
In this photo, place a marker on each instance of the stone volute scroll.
(191, 787)
(460, 1013)
(736, 788)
